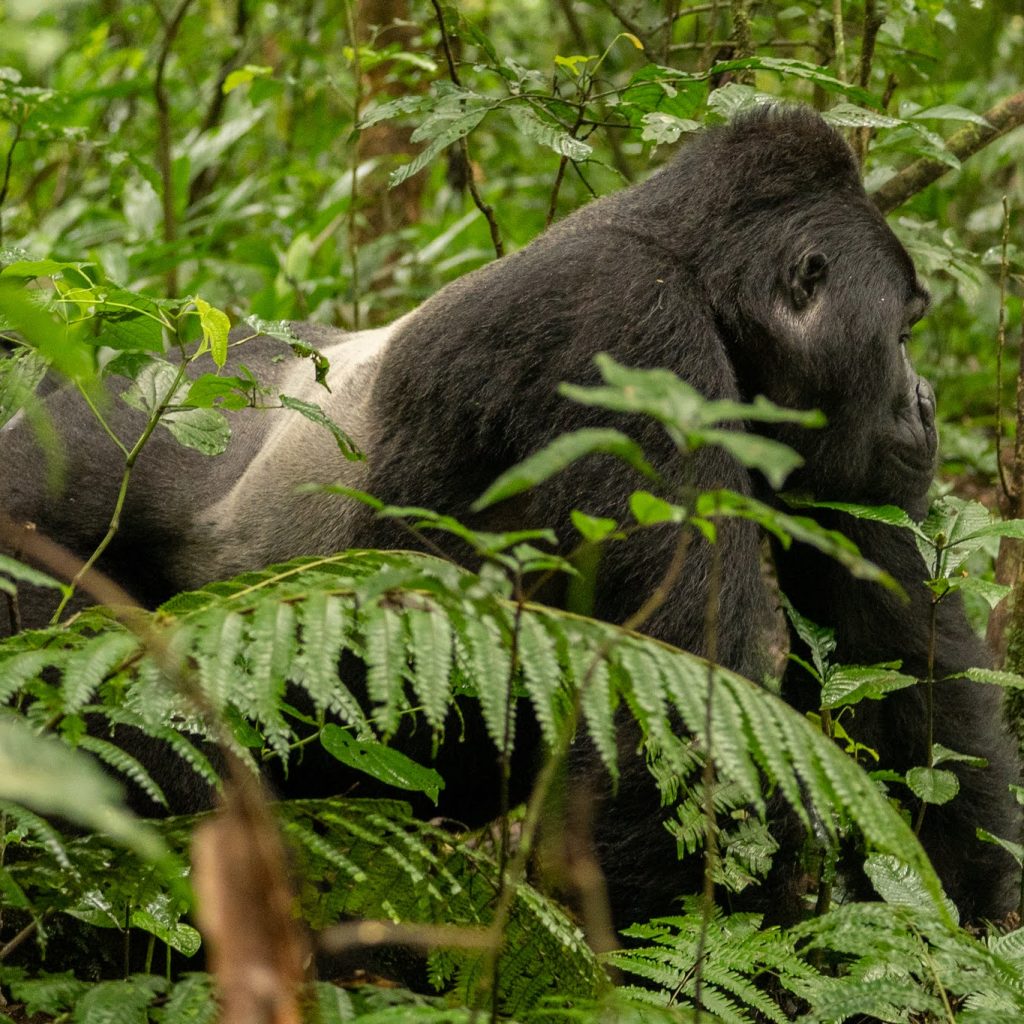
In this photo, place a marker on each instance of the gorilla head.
(813, 295)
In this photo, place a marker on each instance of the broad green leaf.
(244, 75)
(933, 785)
(899, 884)
(649, 510)
(549, 135)
(440, 131)
(593, 528)
(772, 458)
(383, 763)
(1016, 850)
(204, 430)
(847, 685)
(847, 115)
(26, 574)
(949, 112)
(315, 414)
(560, 454)
(65, 347)
(215, 325)
(943, 755)
(994, 677)
(663, 129)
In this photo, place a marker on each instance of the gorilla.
(753, 264)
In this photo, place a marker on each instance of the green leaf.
(560, 454)
(593, 528)
(664, 129)
(847, 115)
(26, 574)
(385, 764)
(943, 755)
(548, 134)
(933, 785)
(215, 325)
(42, 773)
(649, 510)
(1016, 850)
(244, 75)
(204, 430)
(441, 129)
(848, 685)
(772, 458)
(949, 112)
(315, 414)
(900, 884)
(994, 677)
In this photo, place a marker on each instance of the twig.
(741, 33)
(163, 146)
(481, 205)
(707, 907)
(839, 39)
(8, 164)
(353, 192)
(1006, 115)
(204, 181)
(1010, 493)
(873, 21)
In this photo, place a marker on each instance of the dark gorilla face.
(842, 299)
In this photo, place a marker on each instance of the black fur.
(753, 264)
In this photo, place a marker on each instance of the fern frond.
(123, 762)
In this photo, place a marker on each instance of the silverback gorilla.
(754, 264)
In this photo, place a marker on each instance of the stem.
(708, 782)
(163, 148)
(1011, 494)
(8, 164)
(929, 697)
(115, 518)
(839, 35)
(506, 778)
(478, 199)
(353, 194)
(552, 764)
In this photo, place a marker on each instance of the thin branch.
(873, 21)
(8, 164)
(163, 147)
(839, 37)
(481, 205)
(743, 37)
(1006, 115)
(1011, 494)
(353, 191)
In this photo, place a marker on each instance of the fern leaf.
(384, 645)
(432, 651)
(488, 667)
(21, 819)
(123, 762)
(85, 669)
(597, 701)
(542, 673)
(325, 625)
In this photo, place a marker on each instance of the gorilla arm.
(875, 625)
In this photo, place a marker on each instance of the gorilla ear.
(805, 276)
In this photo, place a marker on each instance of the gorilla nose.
(926, 403)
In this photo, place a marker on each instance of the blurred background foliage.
(242, 150)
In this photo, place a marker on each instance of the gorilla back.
(753, 264)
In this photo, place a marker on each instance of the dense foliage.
(170, 169)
